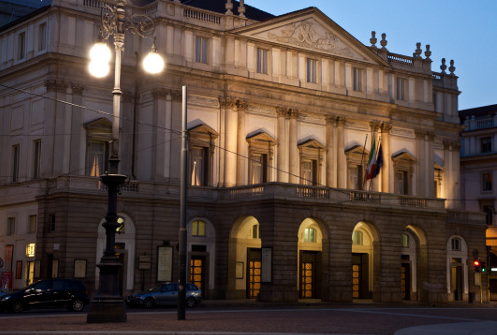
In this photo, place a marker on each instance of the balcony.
(170, 190)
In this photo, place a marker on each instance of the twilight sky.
(465, 31)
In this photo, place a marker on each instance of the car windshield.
(155, 288)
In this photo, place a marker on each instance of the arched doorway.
(457, 268)
(245, 267)
(363, 238)
(310, 248)
(201, 248)
(125, 251)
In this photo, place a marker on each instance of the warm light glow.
(153, 63)
(99, 69)
(100, 52)
(30, 249)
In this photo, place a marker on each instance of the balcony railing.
(291, 192)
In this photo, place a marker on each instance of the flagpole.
(362, 158)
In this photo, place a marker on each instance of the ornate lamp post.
(108, 304)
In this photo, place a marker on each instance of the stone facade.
(282, 114)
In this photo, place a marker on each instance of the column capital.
(56, 85)
(233, 103)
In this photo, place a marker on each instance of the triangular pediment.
(312, 30)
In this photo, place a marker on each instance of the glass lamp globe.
(99, 69)
(153, 63)
(101, 52)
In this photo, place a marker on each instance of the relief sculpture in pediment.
(305, 34)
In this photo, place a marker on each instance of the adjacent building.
(319, 167)
(478, 168)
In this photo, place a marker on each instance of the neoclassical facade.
(283, 115)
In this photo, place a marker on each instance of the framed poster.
(80, 268)
(165, 264)
(266, 265)
(239, 270)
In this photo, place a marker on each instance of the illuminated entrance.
(310, 250)
(363, 237)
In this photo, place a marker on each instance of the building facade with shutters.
(319, 167)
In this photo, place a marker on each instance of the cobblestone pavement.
(263, 320)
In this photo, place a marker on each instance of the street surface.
(272, 320)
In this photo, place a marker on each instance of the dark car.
(165, 294)
(68, 293)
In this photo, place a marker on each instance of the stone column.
(386, 171)
(294, 159)
(162, 139)
(229, 134)
(421, 189)
(242, 146)
(56, 119)
(77, 134)
(331, 162)
(340, 158)
(282, 162)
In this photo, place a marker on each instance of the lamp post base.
(104, 310)
(107, 305)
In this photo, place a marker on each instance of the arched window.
(198, 228)
(357, 238)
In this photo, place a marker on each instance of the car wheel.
(191, 302)
(77, 305)
(17, 307)
(148, 303)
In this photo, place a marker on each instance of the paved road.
(260, 320)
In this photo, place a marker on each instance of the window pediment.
(403, 156)
(260, 137)
(100, 125)
(310, 143)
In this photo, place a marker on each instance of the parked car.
(68, 293)
(165, 294)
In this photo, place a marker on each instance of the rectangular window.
(201, 50)
(15, 162)
(261, 61)
(486, 181)
(401, 89)
(489, 211)
(11, 226)
(456, 244)
(486, 144)
(258, 169)
(357, 80)
(199, 166)
(97, 158)
(256, 232)
(311, 70)
(21, 46)
(309, 172)
(32, 224)
(36, 158)
(42, 37)
(402, 182)
(51, 222)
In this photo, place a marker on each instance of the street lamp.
(108, 304)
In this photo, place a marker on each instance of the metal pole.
(183, 196)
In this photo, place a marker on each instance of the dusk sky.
(465, 31)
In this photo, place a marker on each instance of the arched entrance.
(310, 248)
(363, 238)
(201, 248)
(125, 250)
(245, 259)
(413, 240)
(457, 268)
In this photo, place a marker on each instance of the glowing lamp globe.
(153, 63)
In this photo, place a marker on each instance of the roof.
(482, 111)
(219, 6)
